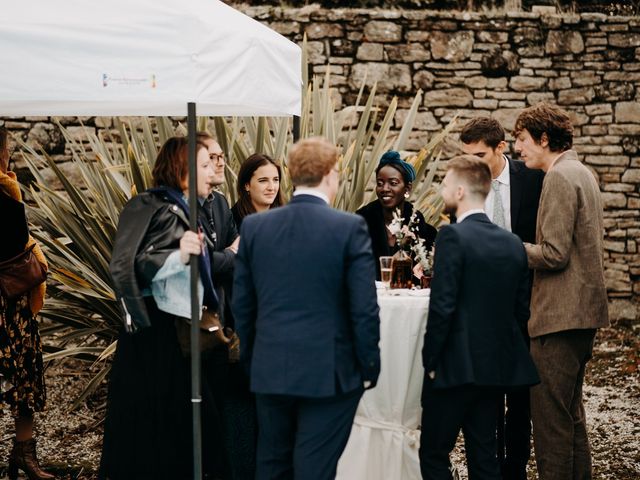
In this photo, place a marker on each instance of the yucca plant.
(77, 225)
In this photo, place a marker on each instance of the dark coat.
(149, 230)
(305, 302)
(15, 237)
(373, 215)
(526, 187)
(479, 301)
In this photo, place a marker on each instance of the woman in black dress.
(394, 179)
(22, 388)
(147, 433)
(258, 187)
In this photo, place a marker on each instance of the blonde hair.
(310, 160)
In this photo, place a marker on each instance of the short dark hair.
(475, 173)
(483, 129)
(172, 165)
(247, 169)
(548, 119)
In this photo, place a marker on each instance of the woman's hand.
(191, 243)
(234, 246)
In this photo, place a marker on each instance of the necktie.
(498, 208)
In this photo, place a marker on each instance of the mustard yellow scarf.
(9, 184)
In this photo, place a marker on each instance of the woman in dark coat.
(22, 388)
(147, 432)
(394, 180)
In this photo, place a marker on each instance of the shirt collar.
(504, 175)
(311, 191)
(468, 213)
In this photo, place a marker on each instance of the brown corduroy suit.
(568, 304)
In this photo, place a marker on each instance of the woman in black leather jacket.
(147, 433)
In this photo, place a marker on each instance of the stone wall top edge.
(316, 11)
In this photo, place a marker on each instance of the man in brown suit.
(569, 299)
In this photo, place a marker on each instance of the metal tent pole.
(196, 399)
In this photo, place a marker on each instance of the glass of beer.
(385, 270)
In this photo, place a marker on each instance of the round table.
(385, 438)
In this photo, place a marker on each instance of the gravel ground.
(69, 442)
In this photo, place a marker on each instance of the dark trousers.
(303, 438)
(444, 413)
(515, 434)
(559, 427)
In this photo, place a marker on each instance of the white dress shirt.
(505, 194)
(310, 191)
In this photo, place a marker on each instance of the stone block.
(560, 83)
(453, 47)
(382, 31)
(575, 96)
(389, 77)
(507, 117)
(370, 52)
(81, 134)
(492, 37)
(409, 52)
(485, 103)
(285, 28)
(623, 310)
(315, 52)
(614, 160)
(624, 129)
(417, 36)
(423, 121)
(595, 130)
(614, 200)
(602, 119)
(613, 246)
(631, 176)
(619, 187)
(476, 82)
(499, 63)
(633, 202)
(536, 97)
(527, 84)
(424, 79)
(628, 112)
(46, 136)
(562, 42)
(624, 40)
(536, 63)
(451, 97)
(583, 79)
(599, 109)
(317, 31)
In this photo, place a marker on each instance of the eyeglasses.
(216, 157)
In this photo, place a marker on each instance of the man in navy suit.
(306, 312)
(474, 349)
(512, 203)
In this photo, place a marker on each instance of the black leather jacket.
(149, 229)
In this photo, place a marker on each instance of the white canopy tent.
(147, 57)
(143, 57)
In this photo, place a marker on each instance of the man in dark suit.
(512, 203)
(474, 349)
(306, 311)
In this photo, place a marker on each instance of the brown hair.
(247, 169)
(548, 119)
(310, 160)
(474, 172)
(483, 129)
(203, 136)
(172, 166)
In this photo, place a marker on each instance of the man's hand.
(432, 374)
(234, 246)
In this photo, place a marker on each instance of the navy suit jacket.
(479, 300)
(304, 300)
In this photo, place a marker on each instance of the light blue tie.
(498, 208)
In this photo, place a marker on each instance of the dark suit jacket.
(373, 215)
(305, 301)
(479, 296)
(222, 235)
(526, 187)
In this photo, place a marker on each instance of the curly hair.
(547, 119)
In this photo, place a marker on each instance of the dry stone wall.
(482, 64)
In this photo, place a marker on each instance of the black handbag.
(21, 274)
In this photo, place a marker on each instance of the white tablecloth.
(384, 439)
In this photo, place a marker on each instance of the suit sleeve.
(244, 301)
(447, 273)
(522, 312)
(556, 219)
(222, 262)
(363, 301)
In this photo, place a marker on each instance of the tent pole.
(196, 399)
(296, 128)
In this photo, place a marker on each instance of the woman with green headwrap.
(394, 179)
